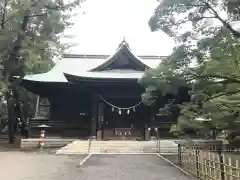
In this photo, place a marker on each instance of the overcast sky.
(102, 24)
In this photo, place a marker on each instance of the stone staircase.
(116, 147)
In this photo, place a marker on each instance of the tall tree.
(30, 33)
(205, 60)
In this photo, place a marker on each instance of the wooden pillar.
(146, 124)
(94, 116)
(100, 131)
(151, 121)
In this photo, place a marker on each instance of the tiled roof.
(80, 65)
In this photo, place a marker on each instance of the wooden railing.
(209, 163)
(35, 122)
(54, 124)
(60, 128)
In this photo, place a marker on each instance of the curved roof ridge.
(105, 56)
(123, 45)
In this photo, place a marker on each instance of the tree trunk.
(4, 14)
(11, 118)
(10, 66)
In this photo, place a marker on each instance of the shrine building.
(96, 95)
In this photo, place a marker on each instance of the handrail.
(158, 145)
(89, 144)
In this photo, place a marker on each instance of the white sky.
(104, 23)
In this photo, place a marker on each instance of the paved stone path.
(42, 166)
(39, 166)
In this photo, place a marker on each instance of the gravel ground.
(48, 166)
(173, 158)
(130, 167)
(39, 166)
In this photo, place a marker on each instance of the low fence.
(209, 162)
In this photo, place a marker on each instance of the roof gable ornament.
(123, 58)
(123, 43)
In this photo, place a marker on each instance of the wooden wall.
(70, 115)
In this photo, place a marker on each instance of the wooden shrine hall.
(96, 95)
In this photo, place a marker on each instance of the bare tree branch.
(222, 94)
(224, 22)
(230, 79)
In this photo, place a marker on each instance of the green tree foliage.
(30, 32)
(205, 60)
(30, 35)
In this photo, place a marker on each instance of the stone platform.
(78, 146)
(118, 147)
(48, 142)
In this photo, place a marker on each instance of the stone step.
(96, 152)
(84, 146)
(108, 150)
(125, 148)
(117, 147)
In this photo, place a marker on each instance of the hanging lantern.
(112, 109)
(128, 111)
(119, 112)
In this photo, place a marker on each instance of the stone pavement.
(43, 166)
(84, 146)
